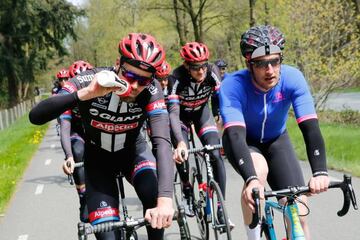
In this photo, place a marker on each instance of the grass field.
(342, 143)
(18, 144)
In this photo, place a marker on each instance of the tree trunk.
(252, 18)
(179, 24)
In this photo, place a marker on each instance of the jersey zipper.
(264, 120)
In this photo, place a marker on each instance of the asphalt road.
(343, 101)
(45, 206)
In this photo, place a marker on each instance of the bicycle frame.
(204, 193)
(291, 211)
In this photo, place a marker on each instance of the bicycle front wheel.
(200, 203)
(181, 218)
(220, 219)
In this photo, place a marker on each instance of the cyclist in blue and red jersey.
(254, 105)
(72, 141)
(114, 103)
(193, 84)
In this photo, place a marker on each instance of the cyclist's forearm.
(315, 146)
(160, 138)
(65, 129)
(174, 113)
(51, 108)
(234, 142)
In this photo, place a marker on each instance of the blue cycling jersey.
(264, 114)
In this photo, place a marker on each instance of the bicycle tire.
(199, 205)
(217, 201)
(181, 220)
(131, 235)
(265, 229)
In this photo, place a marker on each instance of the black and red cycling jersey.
(112, 124)
(192, 96)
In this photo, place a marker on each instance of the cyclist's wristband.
(320, 173)
(250, 179)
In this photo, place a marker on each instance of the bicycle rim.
(182, 222)
(199, 206)
(131, 235)
(221, 230)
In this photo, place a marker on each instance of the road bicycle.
(290, 209)
(208, 202)
(128, 225)
(182, 221)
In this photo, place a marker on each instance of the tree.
(322, 40)
(31, 33)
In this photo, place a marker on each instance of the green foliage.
(341, 143)
(322, 40)
(31, 33)
(19, 142)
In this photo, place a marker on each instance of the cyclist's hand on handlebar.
(68, 166)
(180, 153)
(247, 193)
(319, 184)
(161, 216)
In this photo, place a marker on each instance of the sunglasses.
(265, 63)
(132, 77)
(63, 79)
(197, 67)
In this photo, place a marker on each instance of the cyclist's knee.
(145, 184)
(260, 166)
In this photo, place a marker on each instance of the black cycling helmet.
(221, 63)
(260, 41)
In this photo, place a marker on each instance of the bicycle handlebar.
(84, 229)
(295, 191)
(206, 148)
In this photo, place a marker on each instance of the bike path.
(45, 205)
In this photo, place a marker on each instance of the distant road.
(343, 101)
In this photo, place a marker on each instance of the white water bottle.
(108, 78)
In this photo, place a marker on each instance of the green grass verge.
(348, 90)
(342, 145)
(18, 144)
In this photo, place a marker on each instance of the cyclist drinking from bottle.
(254, 105)
(113, 104)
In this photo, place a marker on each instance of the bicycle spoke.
(199, 205)
(220, 219)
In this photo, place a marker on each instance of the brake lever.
(352, 196)
(70, 176)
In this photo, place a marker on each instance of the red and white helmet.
(194, 52)
(163, 71)
(63, 73)
(142, 50)
(78, 67)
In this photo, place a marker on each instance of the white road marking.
(47, 161)
(39, 189)
(23, 237)
(52, 145)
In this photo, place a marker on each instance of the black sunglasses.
(265, 63)
(197, 67)
(130, 76)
